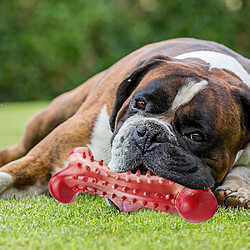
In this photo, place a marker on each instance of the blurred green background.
(50, 46)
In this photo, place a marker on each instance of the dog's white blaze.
(100, 143)
(220, 61)
(187, 92)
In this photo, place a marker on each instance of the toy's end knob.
(196, 205)
(60, 191)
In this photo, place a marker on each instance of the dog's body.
(179, 108)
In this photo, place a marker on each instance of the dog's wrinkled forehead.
(170, 92)
(171, 79)
(164, 95)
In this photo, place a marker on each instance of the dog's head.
(179, 120)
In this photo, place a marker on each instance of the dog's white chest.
(100, 143)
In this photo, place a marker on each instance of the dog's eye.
(196, 137)
(140, 104)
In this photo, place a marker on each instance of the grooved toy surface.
(84, 174)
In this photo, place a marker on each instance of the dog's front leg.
(30, 174)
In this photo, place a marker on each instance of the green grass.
(43, 223)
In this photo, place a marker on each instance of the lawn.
(43, 223)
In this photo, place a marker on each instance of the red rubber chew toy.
(129, 191)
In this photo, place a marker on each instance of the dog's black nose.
(149, 134)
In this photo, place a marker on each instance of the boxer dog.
(179, 108)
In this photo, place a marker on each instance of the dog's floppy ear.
(243, 96)
(128, 85)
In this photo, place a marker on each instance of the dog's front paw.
(235, 190)
(228, 197)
